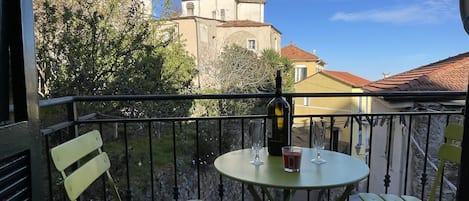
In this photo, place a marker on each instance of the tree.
(107, 47)
(272, 58)
(243, 71)
(240, 70)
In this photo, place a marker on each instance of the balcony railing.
(171, 158)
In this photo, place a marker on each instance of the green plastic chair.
(449, 152)
(72, 151)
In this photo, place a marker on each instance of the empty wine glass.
(318, 129)
(256, 131)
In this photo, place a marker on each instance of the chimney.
(385, 74)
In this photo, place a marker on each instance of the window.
(190, 9)
(222, 14)
(276, 44)
(306, 101)
(214, 14)
(318, 68)
(251, 44)
(300, 72)
(166, 36)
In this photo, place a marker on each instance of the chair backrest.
(450, 151)
(72, 151)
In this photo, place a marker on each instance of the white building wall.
(228, 7)
(147, 7)
(226, 10)
(212, 9)
(379, 150)
(251, 11)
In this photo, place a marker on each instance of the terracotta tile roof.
(243, 23)
(445, 75)
(294, 53)
(347, 78)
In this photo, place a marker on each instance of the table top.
(340, 170)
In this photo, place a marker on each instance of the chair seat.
(370, 197)
(386, 197)
(77, 180)
(409, 198)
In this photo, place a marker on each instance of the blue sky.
(371, 37)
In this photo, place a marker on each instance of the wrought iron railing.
(170, 158)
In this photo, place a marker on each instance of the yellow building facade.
(311, 77)
(305, 63)
(327, 81)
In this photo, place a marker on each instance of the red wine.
(292, 161)
(278, 120)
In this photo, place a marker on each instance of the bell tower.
(251, 10)
(225, 10)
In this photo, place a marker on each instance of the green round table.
(340, 170)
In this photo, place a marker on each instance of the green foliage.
(108, 47)
(273, 59)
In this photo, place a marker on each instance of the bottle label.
(279, 116)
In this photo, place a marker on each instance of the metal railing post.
(72, 116)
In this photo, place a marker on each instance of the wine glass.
(319, 130)
(256, 131)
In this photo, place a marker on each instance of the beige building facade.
(207, 26)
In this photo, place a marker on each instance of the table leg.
(254, 193)
(346, 193)
(286, 196)
(267, 193)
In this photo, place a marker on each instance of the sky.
(370, 37)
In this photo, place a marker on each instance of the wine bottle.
(278, 120)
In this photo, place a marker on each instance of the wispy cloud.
(421, 12)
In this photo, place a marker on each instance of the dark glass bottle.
(278, 120)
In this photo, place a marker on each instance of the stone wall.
(435, 138)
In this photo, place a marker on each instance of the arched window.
(190, 9)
